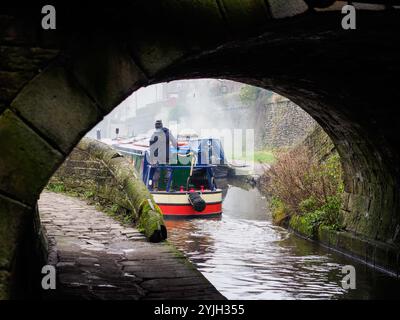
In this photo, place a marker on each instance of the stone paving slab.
(98, 258)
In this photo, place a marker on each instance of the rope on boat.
(151, 204)
(191, 168)
(195, 199)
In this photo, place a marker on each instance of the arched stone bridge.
(55, 85)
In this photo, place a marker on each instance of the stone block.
(358, 219)
(55, 104)
(25, 58)
(187, 26)
(333, 238)
(78, 155)
(107, 72)
(344, 241)
(243, 16)
(11, 82)
(360, 248)
(284, 9)
(26, 160)
(13, 221)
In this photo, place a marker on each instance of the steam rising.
(201, 110)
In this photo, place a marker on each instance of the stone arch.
(98, 57)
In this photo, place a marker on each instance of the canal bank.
(243, 230)
(312, 198)
(245, 256)
(98, 258)
(378, 255)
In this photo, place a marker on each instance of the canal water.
(246, 257)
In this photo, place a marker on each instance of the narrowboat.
(185, 188)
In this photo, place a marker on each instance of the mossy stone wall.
(96, 170)
(354, 240)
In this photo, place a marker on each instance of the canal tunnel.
(55, 85)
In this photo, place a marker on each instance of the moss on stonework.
(113, 186)
(181, 256)
(279, 213)
(24, 173)
(303, 226)
(153, 228)
(151, 221)
(310, 226)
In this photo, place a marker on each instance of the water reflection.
(246, 257)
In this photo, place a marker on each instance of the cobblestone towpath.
(98, 258)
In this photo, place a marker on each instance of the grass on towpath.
(260, 156)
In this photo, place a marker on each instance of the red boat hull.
(187, 210)
(177, 204)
